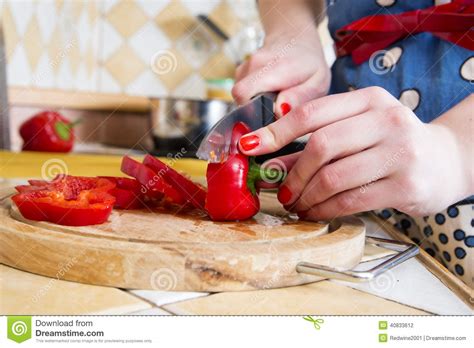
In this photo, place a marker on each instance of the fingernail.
(285, 108)
(284, 194)
(249, 142)
(302, 214)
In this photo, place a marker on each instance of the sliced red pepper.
(127, 192)
(68, 200)
(192, 192)
(153, 184)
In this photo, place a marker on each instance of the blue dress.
(430, 76)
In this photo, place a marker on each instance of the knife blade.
(257, 113)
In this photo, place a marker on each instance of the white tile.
(148, 41)
(22, 12)
(245, 10)
(107, 83)
(147, 84)
(18, 68)
(151, 311)
(46, 16)
(84, 31)
(200, 7)
(44, 75)
(108, 4)
(82, 82)
(193, 87)
(111, 41)
(197, 47)
(65, 79)
(153, 7)
(160, 298)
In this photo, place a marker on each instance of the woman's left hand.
(366, 151)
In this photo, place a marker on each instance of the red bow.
(453, 22)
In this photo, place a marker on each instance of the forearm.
(458, 124)
(281, 17)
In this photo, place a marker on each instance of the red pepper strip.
(152, 183)
(192, 192)
(68, 200)
(231, 191)
(127, 193)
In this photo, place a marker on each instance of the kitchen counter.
(411, 289)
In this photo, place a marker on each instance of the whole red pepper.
(47, 131)
(231, 191)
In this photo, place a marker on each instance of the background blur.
(66, 55)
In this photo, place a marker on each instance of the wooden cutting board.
(165, 250)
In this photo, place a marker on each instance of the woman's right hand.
(291, 63)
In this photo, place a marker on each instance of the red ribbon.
(453, 22)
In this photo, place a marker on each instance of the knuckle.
(397, 116)
(296, 176)
(257, 59)
(304, 113)
(376, 92)
(329, 179)
(238, 91)
(274, 141)
(319, 144)
(344, 202)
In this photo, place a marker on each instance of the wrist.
(457, 159)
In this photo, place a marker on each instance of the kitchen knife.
(257, 113)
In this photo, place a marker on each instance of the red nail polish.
(285, 108)
(284, 194)
(249, 142)
(302, 214)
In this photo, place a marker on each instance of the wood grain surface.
(166, 250)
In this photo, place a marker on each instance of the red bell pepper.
(47, 131)
(67, 200)
(231, 190)
(153, 184)
(192, 192)
(127, 192)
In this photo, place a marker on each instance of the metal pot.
(179, 125)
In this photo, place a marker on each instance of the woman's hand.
(366, 151)
(290, 62)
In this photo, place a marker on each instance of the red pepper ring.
(71, 201)
(232, 194)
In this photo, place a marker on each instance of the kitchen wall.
(143, 47)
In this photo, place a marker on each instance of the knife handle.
(267, 109)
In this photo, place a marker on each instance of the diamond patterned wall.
(142, 47)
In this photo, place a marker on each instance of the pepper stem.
(258, 173)
(74, 124)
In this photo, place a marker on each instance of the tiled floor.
(322, 297)
(27, 293)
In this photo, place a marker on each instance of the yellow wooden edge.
(46, 165)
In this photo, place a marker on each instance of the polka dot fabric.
(447, 236)
(425, 73)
